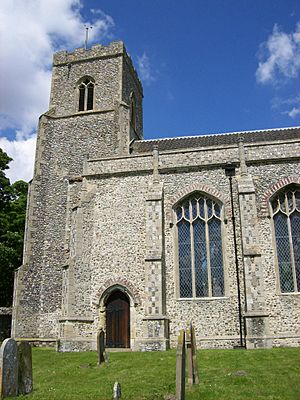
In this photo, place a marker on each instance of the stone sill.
(289, 294)
(202, 298)
(35, 339)
(76, 319)
(5, 310)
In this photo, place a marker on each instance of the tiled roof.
(190, 142)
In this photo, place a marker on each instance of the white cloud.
(294, 112)
(280, 55)
(145, 68)
(30, 31)
(22, 152)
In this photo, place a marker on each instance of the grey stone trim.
(80, 114)
(76, 319)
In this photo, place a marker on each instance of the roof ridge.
(220, 134)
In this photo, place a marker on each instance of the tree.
(13, 200)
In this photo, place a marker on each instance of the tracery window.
(86, 95)
(285, 208)
(200, 249)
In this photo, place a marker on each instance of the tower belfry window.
(86, 95)
(133, 112)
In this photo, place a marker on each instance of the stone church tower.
(139, 237)
(95, 111)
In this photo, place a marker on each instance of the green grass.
(224, 375)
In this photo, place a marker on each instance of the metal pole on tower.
(87, 35)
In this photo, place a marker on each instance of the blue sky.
(206, 66)
(203, 58)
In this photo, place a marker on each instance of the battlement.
(96, 51)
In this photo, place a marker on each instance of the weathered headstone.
(8, 368)
(25, 368)
(180, 367)
(189, 357)
(100, 347)
(117, 391)
(194, 354)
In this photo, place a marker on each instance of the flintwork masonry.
(140, 237)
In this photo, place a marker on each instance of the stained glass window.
(200, 249)
(86, 95)
(286, 218)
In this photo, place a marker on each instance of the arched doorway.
(117, 320)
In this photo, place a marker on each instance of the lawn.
(224, 375)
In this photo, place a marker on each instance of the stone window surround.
(281, 186)
(76, 96)
(211, 193)
(272, 190)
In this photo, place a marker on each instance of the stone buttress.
(156, 335)
(255, 315)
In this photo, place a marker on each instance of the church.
(139, 237)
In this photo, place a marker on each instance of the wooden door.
(117, 320)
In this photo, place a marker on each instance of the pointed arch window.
(86, 95)
(285, 207)
(200, 248)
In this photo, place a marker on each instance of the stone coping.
(95, 52)
(155, 317)
(256, 314)
(192, 149)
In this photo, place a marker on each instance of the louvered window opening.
(86, 95)
(133, 112)
(286, 217)
(200, 249)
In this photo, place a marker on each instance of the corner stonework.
(156, 324)
(256, 318)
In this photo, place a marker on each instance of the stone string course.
(100, 218)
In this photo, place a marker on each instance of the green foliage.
(4, 181)
(224, 375)
(12, 221)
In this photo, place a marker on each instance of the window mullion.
(207, 250)
(292, 253)
(290, 240)
(192, 251)
(85, 97)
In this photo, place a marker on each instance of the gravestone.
(101, 347)
(194, 354)
(8, 368)
(190, 360)
(180, 366)
(25, 368)
(117, 391)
